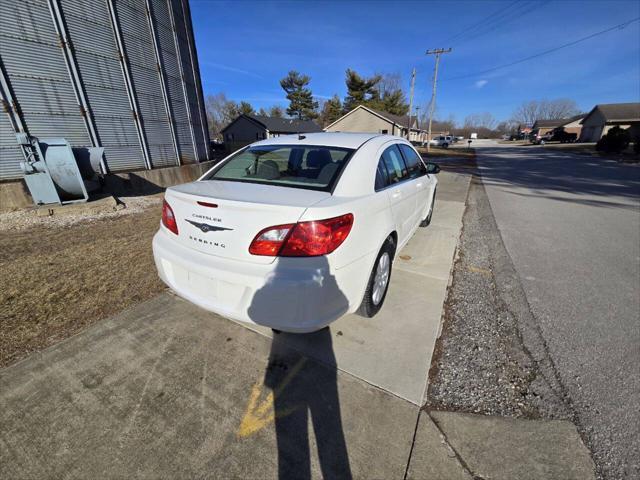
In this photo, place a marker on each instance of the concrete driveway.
(167, 390)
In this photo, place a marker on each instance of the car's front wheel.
(378, 280)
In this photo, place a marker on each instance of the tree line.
(486, 125)
(382, 92)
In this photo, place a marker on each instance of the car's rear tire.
(427, 220)
(379, 279)
(445, 145)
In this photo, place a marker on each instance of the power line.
(546, 52)
(480, 22)
(505, 20)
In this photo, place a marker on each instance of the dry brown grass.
(438, 152)
(57, 281)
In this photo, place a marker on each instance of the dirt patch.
(28, 218)
(59, 278)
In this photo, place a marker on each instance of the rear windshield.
(311, 167)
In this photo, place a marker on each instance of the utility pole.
(420, 138)
(413, 81)
(437, 52)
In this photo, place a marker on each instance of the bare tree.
(560, 108)
(533, 110)
(507, 127)
(389, 83)
(219, 114)
(483, 120)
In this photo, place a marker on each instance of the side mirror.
(433, 168)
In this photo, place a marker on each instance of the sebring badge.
(205, 227)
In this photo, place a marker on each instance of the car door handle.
(395, 194)
(419, 184)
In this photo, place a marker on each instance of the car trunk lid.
(221, 218)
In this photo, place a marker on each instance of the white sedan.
(295, 231)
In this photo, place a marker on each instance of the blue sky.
(245, 47)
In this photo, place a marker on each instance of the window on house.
(384, 131)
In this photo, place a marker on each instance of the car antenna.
(301, 137)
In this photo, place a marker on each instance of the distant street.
(571, 225)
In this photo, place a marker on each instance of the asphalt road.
(571, 225)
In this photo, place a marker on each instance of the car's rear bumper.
(291, 294)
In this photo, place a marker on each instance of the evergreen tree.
(394, 102)
(262, 112)
(360, 90)
(245, 108)
(301, 102)
(331, 111)
(276, 112)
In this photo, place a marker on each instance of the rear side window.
(382, 180)
(414, 163)
(394, 164)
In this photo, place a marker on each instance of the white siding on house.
(361, 120)
(592, 127)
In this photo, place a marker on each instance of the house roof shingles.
(402, 120)
(286, 125)
(619, 112)
(558, 122)
(549, 123)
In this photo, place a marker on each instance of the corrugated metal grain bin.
(121, 74)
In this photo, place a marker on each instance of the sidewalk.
(167, 390)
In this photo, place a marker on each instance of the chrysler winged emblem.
(205, 227)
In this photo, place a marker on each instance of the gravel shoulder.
(491, 357)
(61, 274)
(481, 364)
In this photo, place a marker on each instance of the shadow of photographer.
(304, 389)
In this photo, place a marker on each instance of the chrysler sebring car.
(295, 231)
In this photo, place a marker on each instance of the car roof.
(326, 139)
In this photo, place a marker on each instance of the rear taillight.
(268, 242)
(168, 218)
(304, 239)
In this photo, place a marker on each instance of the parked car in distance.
(538, 139)
(442, 141)
(561, 135)
(295, 231)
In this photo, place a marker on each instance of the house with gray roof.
(604, 117)
(247, 129)
(568, 125)
(365, 119)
